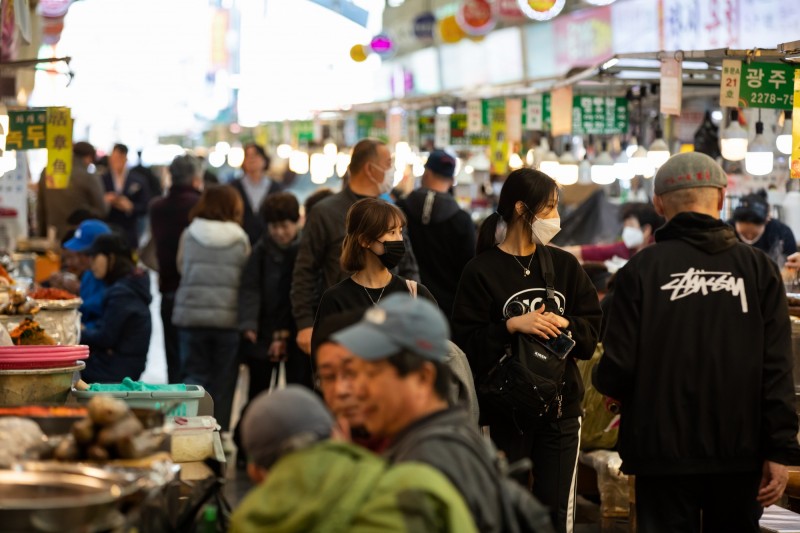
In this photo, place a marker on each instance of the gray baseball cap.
(687, 170)
(399, 322)
(283, 421)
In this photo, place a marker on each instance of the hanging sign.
(395, 127)
(474, 116)
(423, 26)
(561, 111)
(371, 125)
(762, 85)
(795, 165)
(458, 129)
(441, 138)
(537, 112)
(598, 115)
(729, 83)
(498, 143)
(59, 147)
(476, 17)
(488, 107)
(412, 127)
(671, 86)
(26, 129)
(513, 120)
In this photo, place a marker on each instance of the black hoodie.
(443, 239)
(698, 351)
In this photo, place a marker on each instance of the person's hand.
(557, 320)
(277, 351)
(341, 431)
(304, 340)
(534, 323)
(109, 197)
(793, 261)
(250, 335)
(123, 204)
(773, 482)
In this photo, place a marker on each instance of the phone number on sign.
(772, 99)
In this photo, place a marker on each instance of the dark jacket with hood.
(443, 237)
(119, 341)
(698, 350)
(252, 222)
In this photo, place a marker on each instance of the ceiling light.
(603, 169)
(733, 140)
(784, 140)
(639, 162)
(549, 164)
(515, 161)
(658, 153)
(284, 151)
(622, 168)
(567, 173)
(759, 158)
(236, 156)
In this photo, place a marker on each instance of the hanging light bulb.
(632, 147)
(640, 164)
(658, 153)
(784, 140)
(733, 140)
(342, 162)
(321, 168)
(568, 171)
(330, 150)
(759, 158)
(603, 169)
(622, 168)
(216, 159)
(298, 162)
(236, 156)
(284, 151)
(515, 161)
(223, 147)
(549, 164)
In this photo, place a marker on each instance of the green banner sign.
(492, 108)
(766, 85)
(27, 129)
(372, 125)
(599, 115)
(536, 112)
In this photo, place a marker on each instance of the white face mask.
(748, 241)
(385, 186)
(632, 237)
(544, 229)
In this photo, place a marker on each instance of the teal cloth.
(129, 385)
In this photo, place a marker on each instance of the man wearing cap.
(402, 383)
(92, 290)
(698, 352)
(442, 234)
(755, 226)
(308, 482)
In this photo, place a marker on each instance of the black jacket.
(493, 288)
(169, 216)
(253, 224)
(443, 238)
(317, 267)
(777, 241)
(137, 190)
(698, 350)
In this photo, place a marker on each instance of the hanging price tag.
(474, 116)
(561, 111)
(671, 86)
(729, 83)
(514, 120)
(442, 131)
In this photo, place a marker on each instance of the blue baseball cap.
(85, 235)
(398, 323)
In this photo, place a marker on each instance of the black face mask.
(393, 252)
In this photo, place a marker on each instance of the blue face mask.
(386, 197)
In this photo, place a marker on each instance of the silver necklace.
(375, 302)
(525, 270)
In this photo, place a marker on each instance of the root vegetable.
(98, 453)
(67, 449)
(106, 410)
(128, 426)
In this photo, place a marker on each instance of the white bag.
(278, 379)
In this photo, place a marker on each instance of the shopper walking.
(442, 234)
(254, 186)
(373, 244)
(169, 216)
(127, 194)
(501, 297)
(318, 267)
(699, 354)
(211, 255)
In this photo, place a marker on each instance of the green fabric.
(596, 417)
(129, 385)
(337, 487)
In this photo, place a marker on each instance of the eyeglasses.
(328, 378)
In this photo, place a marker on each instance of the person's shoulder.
(487, 260)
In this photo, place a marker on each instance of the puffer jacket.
(211, 257)
(336, 487)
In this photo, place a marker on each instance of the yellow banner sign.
(795, 166)
(59, 147)
(498, 144)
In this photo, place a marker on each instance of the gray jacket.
(317, 266)
(211, 256)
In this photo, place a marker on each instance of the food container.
(63, 324)
(192, 438)
(46, 385)
(173, 403)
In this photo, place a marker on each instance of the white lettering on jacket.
(699, 281)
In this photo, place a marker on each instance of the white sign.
(671, 86)
(729, 83)
(514, 120)
(442, 131)
(394, 125)
(474, 116)
(534, 119)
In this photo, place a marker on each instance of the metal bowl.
(64, 498)
(47, 385)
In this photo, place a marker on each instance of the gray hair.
(184, 169)
(681, 199)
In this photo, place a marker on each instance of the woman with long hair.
(501, 295)
(211, 255)
(120, 339)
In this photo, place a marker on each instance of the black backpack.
(527, 381)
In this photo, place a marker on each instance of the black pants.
(689, 504)
(171, 348)
(552, 447)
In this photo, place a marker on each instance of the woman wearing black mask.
(372, 246)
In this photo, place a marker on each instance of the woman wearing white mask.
(639, 224)
(501, 295)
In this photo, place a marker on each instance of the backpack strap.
(546, 264)
(412, 287)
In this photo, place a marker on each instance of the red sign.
(476, 17)
(509, 10)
